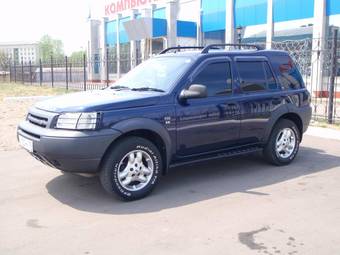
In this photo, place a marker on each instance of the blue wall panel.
(159, 23)
(249, 13)
(111, 33)
(213, 16)
(159, 27)
(186, 29)
(333, 7)
(123, 38)
(285, 10)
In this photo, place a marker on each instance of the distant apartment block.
(21, 51)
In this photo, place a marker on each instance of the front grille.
(37, 120)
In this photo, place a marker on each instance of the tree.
(5, 61)
(50, 47)
(77, 56)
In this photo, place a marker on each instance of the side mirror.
(194, 91)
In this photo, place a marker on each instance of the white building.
(133, 30)
(21, 51)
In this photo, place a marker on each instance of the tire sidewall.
(122, 150)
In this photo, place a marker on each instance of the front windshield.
(158, 74)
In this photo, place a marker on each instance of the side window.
(290, 77)
(271, 82)
(252, 76)
(217, 78)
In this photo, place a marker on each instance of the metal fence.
(311, 59)
(61, 73)
(325, 90)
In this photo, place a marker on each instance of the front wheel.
(283, 144)
(131, 169)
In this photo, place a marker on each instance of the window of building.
(217, 78)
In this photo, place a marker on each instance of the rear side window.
(255, 76)
(216, 77)
(289, 76)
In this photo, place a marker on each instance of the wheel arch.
(148, 129)
(284, 114)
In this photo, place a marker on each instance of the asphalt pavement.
(232, 206)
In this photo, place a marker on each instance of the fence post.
(107, 67)
(332, 79)
(66, 64)
(84, 65)
(40, 72)
(22, 72)
(30, 65)
(10, 72)
(70, 78)
(15, 71)
(52, 74)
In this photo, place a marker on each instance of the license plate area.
(26, 143)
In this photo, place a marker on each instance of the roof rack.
(214, 46)
(179, 48)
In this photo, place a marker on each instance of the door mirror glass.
(194, 91)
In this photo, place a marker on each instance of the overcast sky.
(29, 20)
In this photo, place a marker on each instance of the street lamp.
(239, 31)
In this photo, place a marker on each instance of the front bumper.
(68, 150)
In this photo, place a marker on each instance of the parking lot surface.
(230, 206)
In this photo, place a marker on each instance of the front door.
(212, 123)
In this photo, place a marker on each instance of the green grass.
(18, 90)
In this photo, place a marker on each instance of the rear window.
(289, 75)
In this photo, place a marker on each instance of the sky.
(29, 20)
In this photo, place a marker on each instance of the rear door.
(260, 97)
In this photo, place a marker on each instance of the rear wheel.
(132, 168)
(283, 144)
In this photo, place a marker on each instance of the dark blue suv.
(179, 107)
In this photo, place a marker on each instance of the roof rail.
(179, 48)
(214, 46)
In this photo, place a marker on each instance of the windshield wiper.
(119, 87)
(147, 89)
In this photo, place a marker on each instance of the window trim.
(207, 62)
(275, 78)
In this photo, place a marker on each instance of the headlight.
(78, 121)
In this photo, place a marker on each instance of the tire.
(278, 150)
(131, 160)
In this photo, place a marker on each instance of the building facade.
(21, 52)
(133, 30)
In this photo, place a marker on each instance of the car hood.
(99, 100)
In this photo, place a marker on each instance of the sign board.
(119, 6)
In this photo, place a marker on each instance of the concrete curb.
(324, 133)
